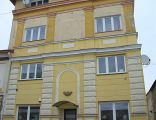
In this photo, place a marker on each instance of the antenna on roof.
(26, 2)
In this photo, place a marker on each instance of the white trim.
(114, 109)
(78, 85)
(32, 32)
(28, 110)
(28, 113)
(28, 70)
(112, 23)
(107, 65)
(39, 32)
(95, 25)
(17, 112)
(35, 70)
(104, 25)
(121, 23)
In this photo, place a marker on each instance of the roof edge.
(13, 1)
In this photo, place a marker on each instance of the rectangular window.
(31, 71)
(109, 23)
(38, 2)
(111, 64)
(28, 113)
(35, 33)
(114, 111)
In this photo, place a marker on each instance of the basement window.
(114, 111)
(28, 113)
(31, 71)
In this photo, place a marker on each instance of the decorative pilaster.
(19, 34)
(89, 22)
(9, 108)
(138, 99)
(46, 104)
(51, 27)
(90, 88)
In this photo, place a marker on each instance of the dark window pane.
(99, 23)
(111, 64)
(107, 111)
(45, 1)
(42, 32)
(24, 71)
(28, 34)
(39, 71)
(121, 111)
(22, 113)
(102, 65)
(121, 106)
(70, 114)
(121, 63)
(39, 3)
(32, 71)
(33, 4)
(117, 25)
(108, 24)
(34, 113)
(35, 33)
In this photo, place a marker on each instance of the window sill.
(100, 74)
(109, 31)
(33, 41)
(31, 79)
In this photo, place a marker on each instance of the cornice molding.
(54, 4)
(79, 52)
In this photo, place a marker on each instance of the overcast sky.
(145, 20)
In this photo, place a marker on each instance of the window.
(38, 2)
(31, 71)
(28, 113)
(109, 23)
(111, 64)
(114, 111)
(35, 33)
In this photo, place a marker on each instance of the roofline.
(154, 84)
(6, 51)
(13, 1)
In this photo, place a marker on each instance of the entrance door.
(70, 114)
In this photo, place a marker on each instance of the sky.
(145, 21)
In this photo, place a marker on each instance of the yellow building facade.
(75, 60)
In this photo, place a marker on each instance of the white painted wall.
(4, 72)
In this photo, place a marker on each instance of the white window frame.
(112, 23)
(28, 112)
(32, 31)
(107, 65)
(28, 70)
(114, 110)
(36, 2)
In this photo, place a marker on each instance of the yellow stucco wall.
(68, 22)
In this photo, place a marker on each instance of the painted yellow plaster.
(89, 23)
(19, 34)
(50, 28)
(28, 92)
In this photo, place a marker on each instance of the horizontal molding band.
(79, 52)
(76, 40)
